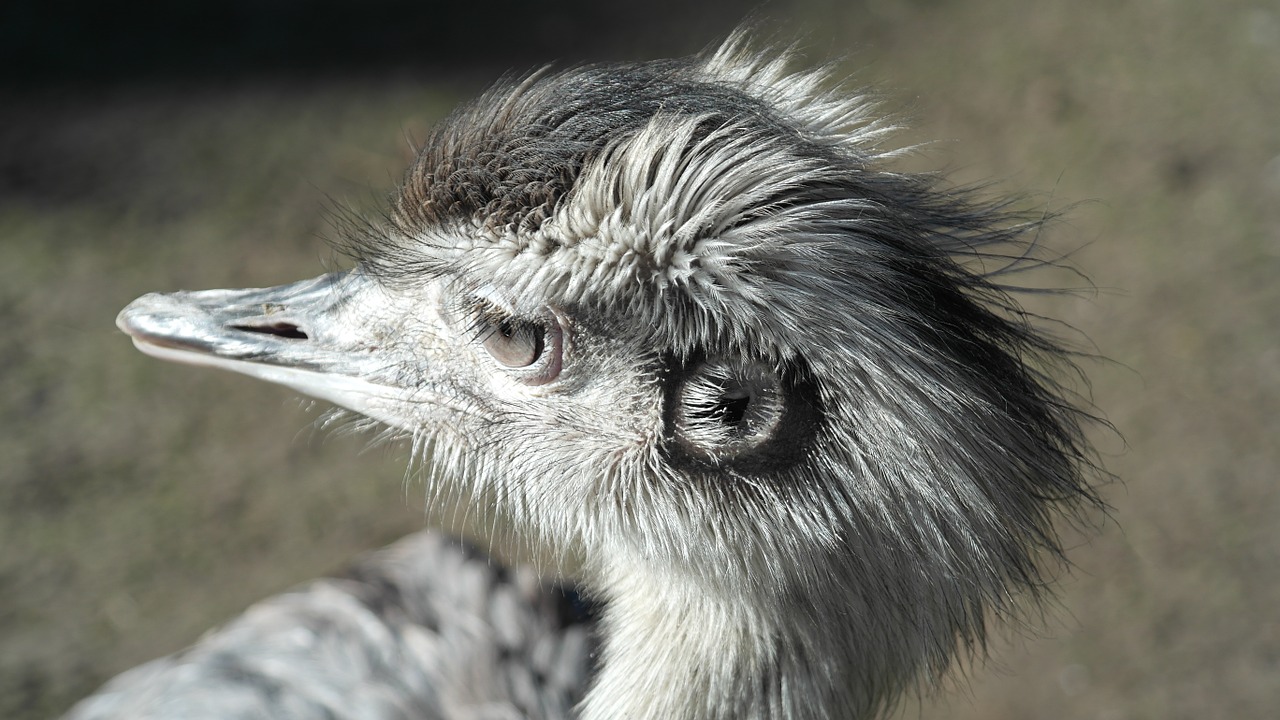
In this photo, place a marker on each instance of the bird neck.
(680, 651)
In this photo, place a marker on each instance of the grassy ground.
(141, 503)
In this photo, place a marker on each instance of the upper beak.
(305, 335)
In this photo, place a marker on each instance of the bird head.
(681, 321)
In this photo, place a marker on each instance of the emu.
(686, 341)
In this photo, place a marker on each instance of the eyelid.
(553, 353)
(486, 298)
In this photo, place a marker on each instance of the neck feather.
(680, 651)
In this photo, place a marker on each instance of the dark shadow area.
(75, 76)
(78, 43)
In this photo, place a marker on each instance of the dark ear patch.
(735, 412)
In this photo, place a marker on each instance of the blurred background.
(195, 145)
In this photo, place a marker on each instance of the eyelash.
(484, 318)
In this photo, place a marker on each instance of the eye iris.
(514, 344)
(530, 349)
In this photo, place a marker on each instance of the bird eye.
(727, 407)
(533, 349)
(515, 344)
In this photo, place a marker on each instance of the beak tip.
(130, 318)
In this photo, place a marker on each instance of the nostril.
(280, 329)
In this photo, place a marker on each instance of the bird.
(761, 417)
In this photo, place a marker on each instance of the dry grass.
(140, 503)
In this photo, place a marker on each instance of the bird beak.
(304, 335)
